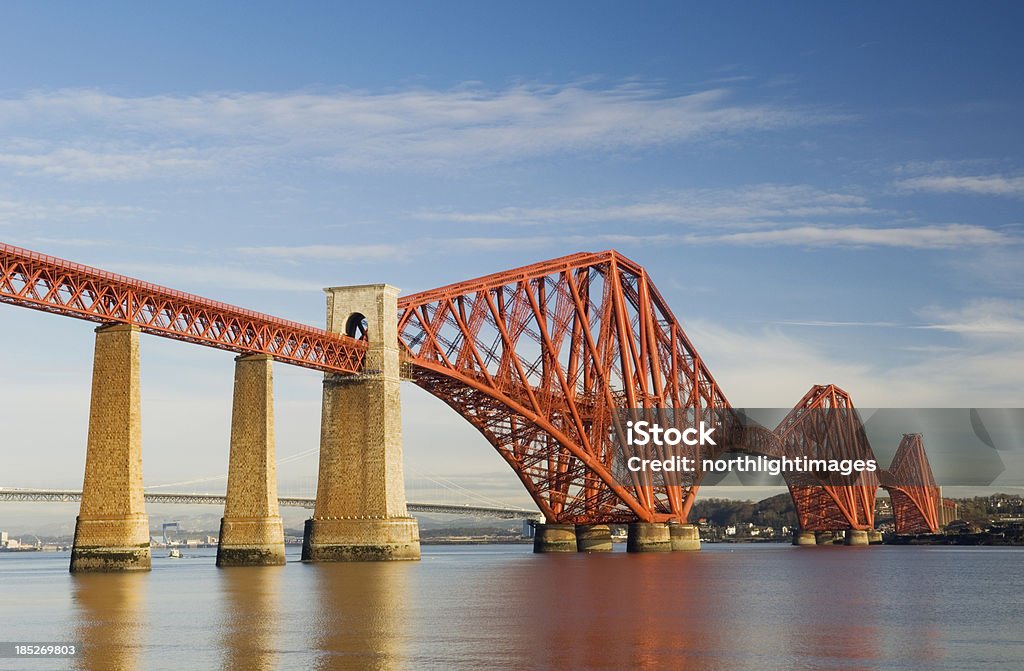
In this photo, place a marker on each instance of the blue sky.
(824, 193)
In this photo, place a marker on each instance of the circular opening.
(356, 326)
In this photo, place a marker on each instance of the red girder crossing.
(912, 490)
(541, 360)
(41, 282)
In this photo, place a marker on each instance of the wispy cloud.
(198, 277)
(983, 318)
(382, 252)
(417, 128)
(991, 185)
(17, 211)
(764, 366)
(842, 324)
(105, 164)
(950, 236)
(710, 207)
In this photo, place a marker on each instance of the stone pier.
(824, 537)
(875, 537)
(251, 531)
(648, 537)
(112, 529)
(856, 537)
(554, 538)
(802, 537)
(360, 512)
(593, 538)
(685, 537)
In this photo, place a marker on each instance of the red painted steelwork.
(41, 282)
(915, 498)
(542, 360)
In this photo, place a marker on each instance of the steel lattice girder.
(41, 282)
(912, 490)
(542, 358)
(825, 425)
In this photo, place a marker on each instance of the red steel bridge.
(542, 360)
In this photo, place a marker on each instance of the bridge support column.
(648, 537)
(251, 531)
(685, 537)
(856, 537)
(875, 537)
(802, 537)
(824, 537)
(360, 512)
(554, 538)
(112, 529)
(593, 538)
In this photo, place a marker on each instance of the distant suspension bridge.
(73, 495)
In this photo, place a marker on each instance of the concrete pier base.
(251, 531)
(875, 537)
(593, 538)
(112, 529)
(554, 538)
(338, 540)
(648, 537)
(804, 538)
(856, 537)
(100, 545)
(685, 537)
(360, 512)
(824, 537)
(255, 542)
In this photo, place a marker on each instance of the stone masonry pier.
(112, 529)
(360, 512)
(251, 531)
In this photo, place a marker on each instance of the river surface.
(756, 607)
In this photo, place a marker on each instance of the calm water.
(502, 607)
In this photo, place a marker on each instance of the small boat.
(174, 554)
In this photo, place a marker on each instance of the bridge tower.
(360, 512)
(112, 529)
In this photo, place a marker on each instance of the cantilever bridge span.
(541, 360)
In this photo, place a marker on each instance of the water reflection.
(250, 595)
(834, 608)
(111, 622)
(617, 612)
(361, 616)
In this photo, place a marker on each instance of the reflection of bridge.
(541, 360)
(72, 495)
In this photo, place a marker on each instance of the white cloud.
(220, 276)
(16, 211)
(949, 236)
(356, 130)
(752, 204)
(981, 318)
(839, 324)
(991, 185)
(383, 252)
(768, 368)
(104, 164)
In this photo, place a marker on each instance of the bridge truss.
(32, 280)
